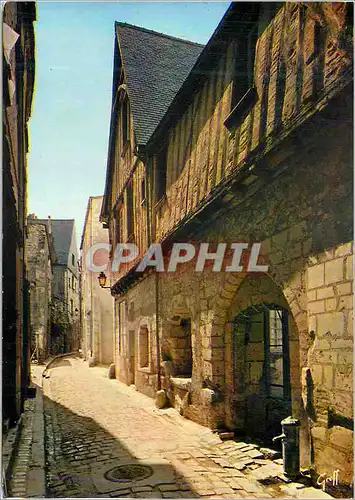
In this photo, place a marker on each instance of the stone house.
(65, 335)
(254, 147)
(18, 86)
(96, 303)
(40, 261)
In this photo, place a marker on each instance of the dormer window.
(244, 94)
(244, 65)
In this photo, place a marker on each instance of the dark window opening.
(319, 54)
(160, 171)
(244, 65)
(130, 213)
(143, 188)
(118, 223)
(72, 259)
(125, 121)
(268, 12)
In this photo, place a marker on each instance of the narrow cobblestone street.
(94, 424)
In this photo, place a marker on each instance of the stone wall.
(330, 357)
(40, 278)
(97, 303)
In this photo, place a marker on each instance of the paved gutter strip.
(26, 468)
(9, 448)
(18, 472)
(36, 486)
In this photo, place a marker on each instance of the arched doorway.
(263, 330)
(263, 374)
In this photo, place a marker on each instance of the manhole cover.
(128, 473)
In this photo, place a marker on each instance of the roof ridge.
(157, 33)
(62, 220)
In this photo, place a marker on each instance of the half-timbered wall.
(300, 59)
(128, 220)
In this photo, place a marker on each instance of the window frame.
(246, 318)
(244, 94)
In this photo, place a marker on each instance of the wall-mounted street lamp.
(102, 280)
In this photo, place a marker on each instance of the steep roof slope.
(156, 65)
(62, 231)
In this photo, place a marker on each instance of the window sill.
(183, 383)
(239, 112)
(144, 369)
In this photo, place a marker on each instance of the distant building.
(40, 260)
(65, 291)
(18, 84)
(97, 303)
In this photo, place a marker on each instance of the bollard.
(290, 446)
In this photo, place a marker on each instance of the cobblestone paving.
(94, 424)
(17, 484)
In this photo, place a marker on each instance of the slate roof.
(156, 65)
(62, 230)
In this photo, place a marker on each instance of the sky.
(69, 126)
